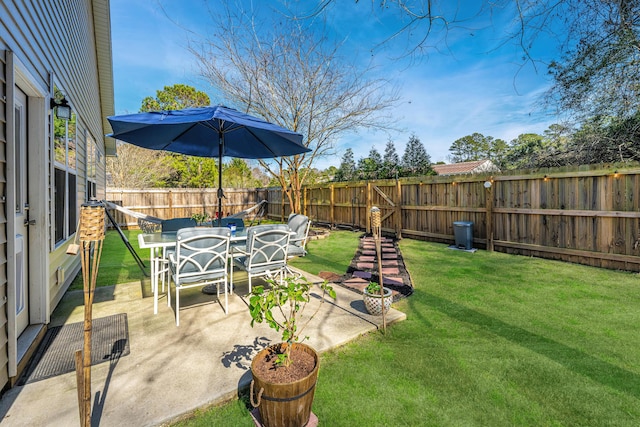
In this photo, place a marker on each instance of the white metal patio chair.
(265, 254)
(300, 225)
(169, 225)
(200, 259)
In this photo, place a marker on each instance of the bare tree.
(136, 167)
(422, 26)
(599, 71)
(288, 73)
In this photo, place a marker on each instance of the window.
(65, 189)
(92, 166)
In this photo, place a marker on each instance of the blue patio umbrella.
(207, 132)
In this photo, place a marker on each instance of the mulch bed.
(364, 268)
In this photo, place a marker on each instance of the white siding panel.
(63, 39)
(4, 332)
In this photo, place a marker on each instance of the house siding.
(62, 40)
(58, 45)
(4, 338)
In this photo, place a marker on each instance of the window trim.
(69, 211)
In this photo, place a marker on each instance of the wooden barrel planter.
(284, 404)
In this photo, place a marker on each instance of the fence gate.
(387, 199)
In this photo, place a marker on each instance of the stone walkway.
(364, 268)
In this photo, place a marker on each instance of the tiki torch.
(91, 230)
(376, 230)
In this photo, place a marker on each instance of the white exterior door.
(21, 213)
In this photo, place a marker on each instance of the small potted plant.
(373, 299)
(285, 374)
(200, 218)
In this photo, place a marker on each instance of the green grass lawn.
(333, 253)
(490, 340)
(117, 265)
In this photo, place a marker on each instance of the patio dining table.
(159, 243)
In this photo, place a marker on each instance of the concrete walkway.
(171, 371)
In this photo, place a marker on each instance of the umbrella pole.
(220, 192)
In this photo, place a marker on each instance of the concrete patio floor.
(171, 371)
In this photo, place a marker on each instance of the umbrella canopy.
(207, 132)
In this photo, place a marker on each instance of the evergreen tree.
(347, 169)
(415, 160)
(175, 97)
(390, 161)
(525, 151)
(470, 148)
(369, 167)
(238, 174)
(498, 152)
(478, 147)
(192, 171)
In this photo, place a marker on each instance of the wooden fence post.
(304, 201)
(399, 210)
(332, 218)
(489, 215)
(368, 203)
(171, 215)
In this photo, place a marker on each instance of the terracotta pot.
(373, 301)
(284, 405)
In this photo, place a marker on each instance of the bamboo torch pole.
(91, 229)
(376, 230)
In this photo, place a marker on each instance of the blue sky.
(473, 82)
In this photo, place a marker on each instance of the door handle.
(29, 222)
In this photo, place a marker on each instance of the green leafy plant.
(200, 217)
(373, 288)
(289, 300)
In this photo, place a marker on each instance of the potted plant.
(285, 374)
(200, 218)
(373, 299)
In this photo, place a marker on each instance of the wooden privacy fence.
(588, 215)
(181, 202)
